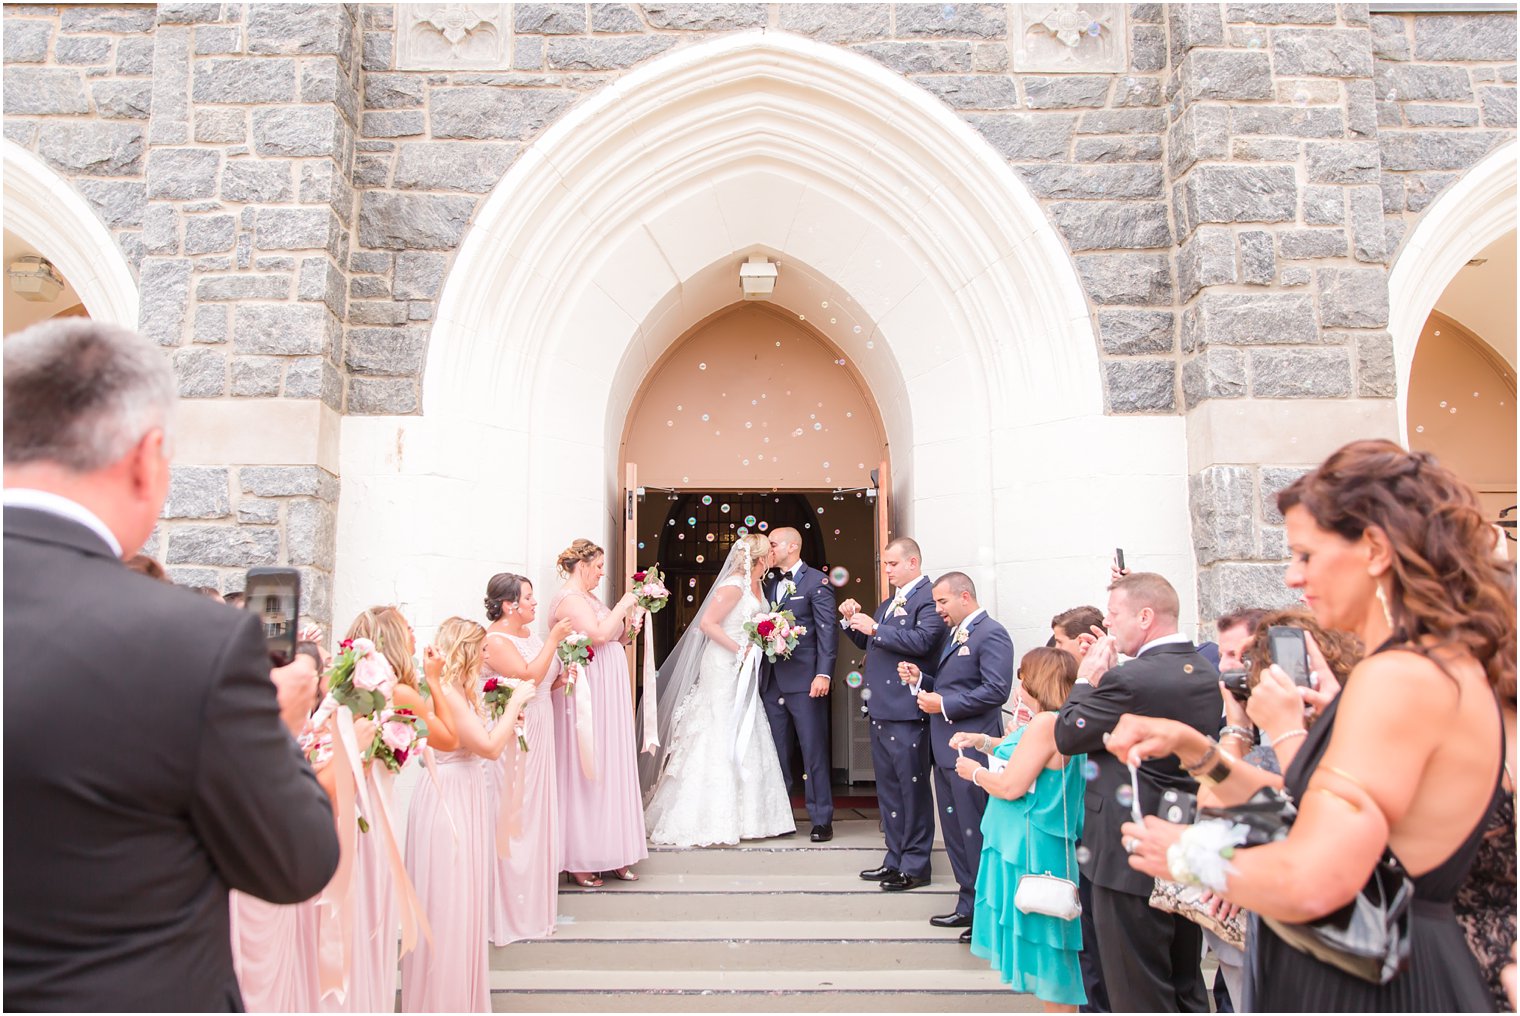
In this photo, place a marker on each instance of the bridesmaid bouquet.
(399, 734)
(649, 587)
(497, 693)
(360, 678)
(775, 633)
(574, 653)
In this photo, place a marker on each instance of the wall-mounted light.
(34, 278)
(757, 278)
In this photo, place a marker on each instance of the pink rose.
(397, 735)
(373, 673)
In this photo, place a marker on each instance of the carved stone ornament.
(447, 37)
(1070, 38)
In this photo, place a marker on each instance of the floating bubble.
(692, 583)
(807, 525)
(839, 576)
(691, 520)
(836, 532)
(797, 432)
(870, 343)
(723, 508)
(1253, 43)
(711, 537)
(1089, 770)
(671, 522)
(749, 520)
(690, 598)
(1125, 795)
(817, 426)
(705, 417)
(1443, 403)
(680, 536)
(1420, 429)
(1094, 29)
(857, 332)
(1083, 855)
(1081, 722)
(820, 511)
(834, 321)
(1453, 409)
(825, 305)
(707, 499)
(743, 530)
(746, 461)
(748, 424)
(865, 694)
(679, 407)
(701, 366)
(764, 526)
(853, 679)
(949, 809)
(781, 701)
(1475, 395)
(670, 423)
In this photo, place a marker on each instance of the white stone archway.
(42, 209)
(625, 224)
(1473, 213)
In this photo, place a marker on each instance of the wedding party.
(784, 507)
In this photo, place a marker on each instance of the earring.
(1383, 601)
(512, 608)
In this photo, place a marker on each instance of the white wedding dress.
(702, 797)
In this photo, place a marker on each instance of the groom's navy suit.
(899, 733)
(973, 681)
(786, 683)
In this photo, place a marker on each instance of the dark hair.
(504, 587)
(1248, 616)
(1342, 650)
(236, 599)
(1446, 583)
(578, 552)
(1077, 620)
(145, 565)
(959, 582)
(1048, 675)
(907, 546)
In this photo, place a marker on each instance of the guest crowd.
(1120, 801)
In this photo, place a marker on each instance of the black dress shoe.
(951, 921)
(878, 874)
(823, 833)
(899, 883)
(966, 937)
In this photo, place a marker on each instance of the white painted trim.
(42, 209)
(1473, 213)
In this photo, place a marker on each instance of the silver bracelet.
(1248, 736)
(974, 774)
(986, 748)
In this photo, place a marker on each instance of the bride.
(716, 778)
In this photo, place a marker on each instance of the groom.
(795, 690)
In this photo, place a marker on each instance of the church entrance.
(752, 422)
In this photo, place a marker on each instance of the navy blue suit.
(973, 681)
(784, 685)
(899, 734)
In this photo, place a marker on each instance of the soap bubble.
(707, 499)
(1125, 795)
(764, 526)
(711, 537)
(692, 583)
(820, 511)
(701, 366)
(817, 426)
(865, 694)
(949, 809)
(641, 544)
(1089, 770)
(853, 679)
(691, 520)
(857, 332)
(670, 423)
(680, 536)
(1420, 429)
(781, 701)
(743, 530)
(836, 532)
(690, 598)
(1443, 403)
(870, 343)
(839, 576)
(723, 508)
(670, 522)
(1083, 855)
(1081, 722)
(705, 418)
(797, 432)
(749, 520)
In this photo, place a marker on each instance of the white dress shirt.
(64, 508)
(1165, 640)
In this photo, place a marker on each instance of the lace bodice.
(746, 608)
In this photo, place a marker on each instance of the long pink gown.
(274, 951)
(525, 893)
(601, 820)
(452, 877)
(377, 930)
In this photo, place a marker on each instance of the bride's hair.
(758, 546)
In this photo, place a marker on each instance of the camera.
(1235, 683)
(1178, 806)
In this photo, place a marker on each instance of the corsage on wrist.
(1201, 855)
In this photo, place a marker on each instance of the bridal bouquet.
(497, 693)
(574, 653)
(649, 587)
(776, 633)
(400, 733)
(360, 678)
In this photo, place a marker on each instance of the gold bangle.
(1358, 784)
(1339, 797)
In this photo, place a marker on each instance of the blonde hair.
(1147, 589)
(759, 546)
(579, 552)
(460, 640)
(388, 629)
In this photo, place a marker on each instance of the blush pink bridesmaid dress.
(274, 951)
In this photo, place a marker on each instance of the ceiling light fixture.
(34, 278)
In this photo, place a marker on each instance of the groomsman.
(795, 690)
(974, 680)
(904, 629)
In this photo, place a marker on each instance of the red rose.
(765, 628)
(405, 712)
(638, 576)
(491, 684)
(401, 758)
(590, 654)
(346, 644)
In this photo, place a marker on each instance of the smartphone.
(1119, 558)
(1178, 806)
(1235, 683)
(274, 594)
(1289, 652)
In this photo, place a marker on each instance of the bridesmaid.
(525, 895)
(602, 820)
(449, 850)
(377, 911)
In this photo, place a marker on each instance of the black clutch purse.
(1368, 937)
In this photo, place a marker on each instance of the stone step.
(815, 859)
(715, 945)
(804, 990)
(768, 897)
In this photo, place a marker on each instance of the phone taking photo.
(1119, 558)
(274, 594)
(1290, 652)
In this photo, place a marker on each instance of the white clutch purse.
(1048, 894)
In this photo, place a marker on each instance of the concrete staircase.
(775, 925)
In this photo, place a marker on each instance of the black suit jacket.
(812, 604)
(146, 773)
(914, 635)
(1170, 680)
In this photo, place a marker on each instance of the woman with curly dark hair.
(1394, 548)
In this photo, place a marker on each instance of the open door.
(631, 560)
(881, 476)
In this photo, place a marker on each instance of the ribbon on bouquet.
(585, 729)
(335, 906)
(413, 918)
(514, 782)
(432, 769)
(746, 705)
(651, 683)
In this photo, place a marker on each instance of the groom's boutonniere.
(786, 590)
(961, 636)
(899, 602)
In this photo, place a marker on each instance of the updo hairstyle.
(504, 588)
(759, 546)
(579, 552)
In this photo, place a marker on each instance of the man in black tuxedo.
(973, 680)
(1150, 958)
(795, 690)
(904, 629)
(147, 768)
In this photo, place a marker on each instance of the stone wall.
(1231, 194)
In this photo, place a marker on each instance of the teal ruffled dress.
(1034, 953)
